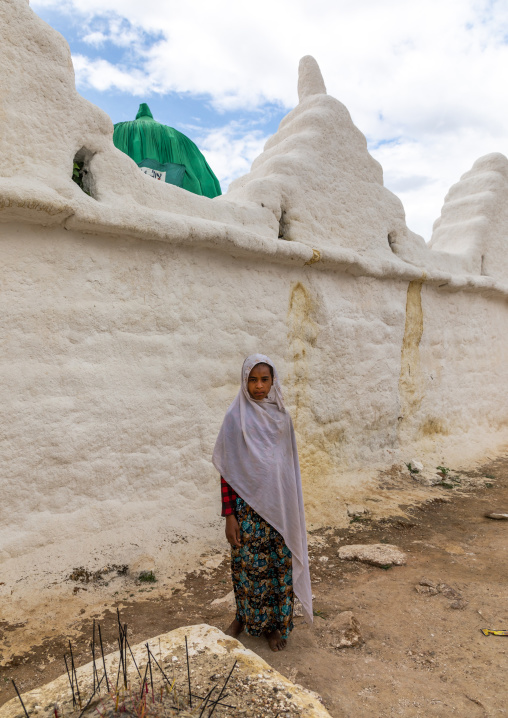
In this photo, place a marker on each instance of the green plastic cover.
(145, 139)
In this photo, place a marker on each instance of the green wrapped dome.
(165, 154)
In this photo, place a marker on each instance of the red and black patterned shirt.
(229, 497)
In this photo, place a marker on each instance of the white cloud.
(421, 172)
(103, 75)
(230, 150)
(429, 76)
(96, 38)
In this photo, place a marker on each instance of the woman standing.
(262, 501)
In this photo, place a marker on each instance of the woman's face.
(260, 382)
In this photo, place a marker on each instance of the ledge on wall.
(314, 196)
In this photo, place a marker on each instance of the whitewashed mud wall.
(125, 316)
(119, 358)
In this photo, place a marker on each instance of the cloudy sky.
(424, 81)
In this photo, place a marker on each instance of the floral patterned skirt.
(262, 575)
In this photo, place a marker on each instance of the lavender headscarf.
(256, 454)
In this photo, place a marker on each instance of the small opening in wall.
(80, 170)
(282, 225)
(391, 240)
(482, 267)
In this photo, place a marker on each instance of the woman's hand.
(233, 530)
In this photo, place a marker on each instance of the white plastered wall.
(463, 371)
(126, 314)
(120, 357)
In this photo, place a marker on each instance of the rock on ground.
(227, 601)
(345, 630)
(376, 554)
(298, 608)
(427, 590)
(415, 464)
(356, 510)
(426, 587)
(448, 591)
(255, 679)
(459, 605)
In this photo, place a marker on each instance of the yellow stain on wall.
(320, 446)
(316, 257)
(434, 427)
(411, 391)
(302, 335)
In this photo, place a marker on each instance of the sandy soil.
(422, 655)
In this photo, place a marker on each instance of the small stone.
(356, 510)
(212, 562)
(323, 559)
(459, 605)
(427, 582)
(499, 515)
(298, 608)
(415, 464)
(383, 555)
(345, 630)
(448, 591)
(227, 601)
(426, 590)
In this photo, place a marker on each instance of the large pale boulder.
(211, 657)
(377, 554)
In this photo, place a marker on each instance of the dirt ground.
(422, 655)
